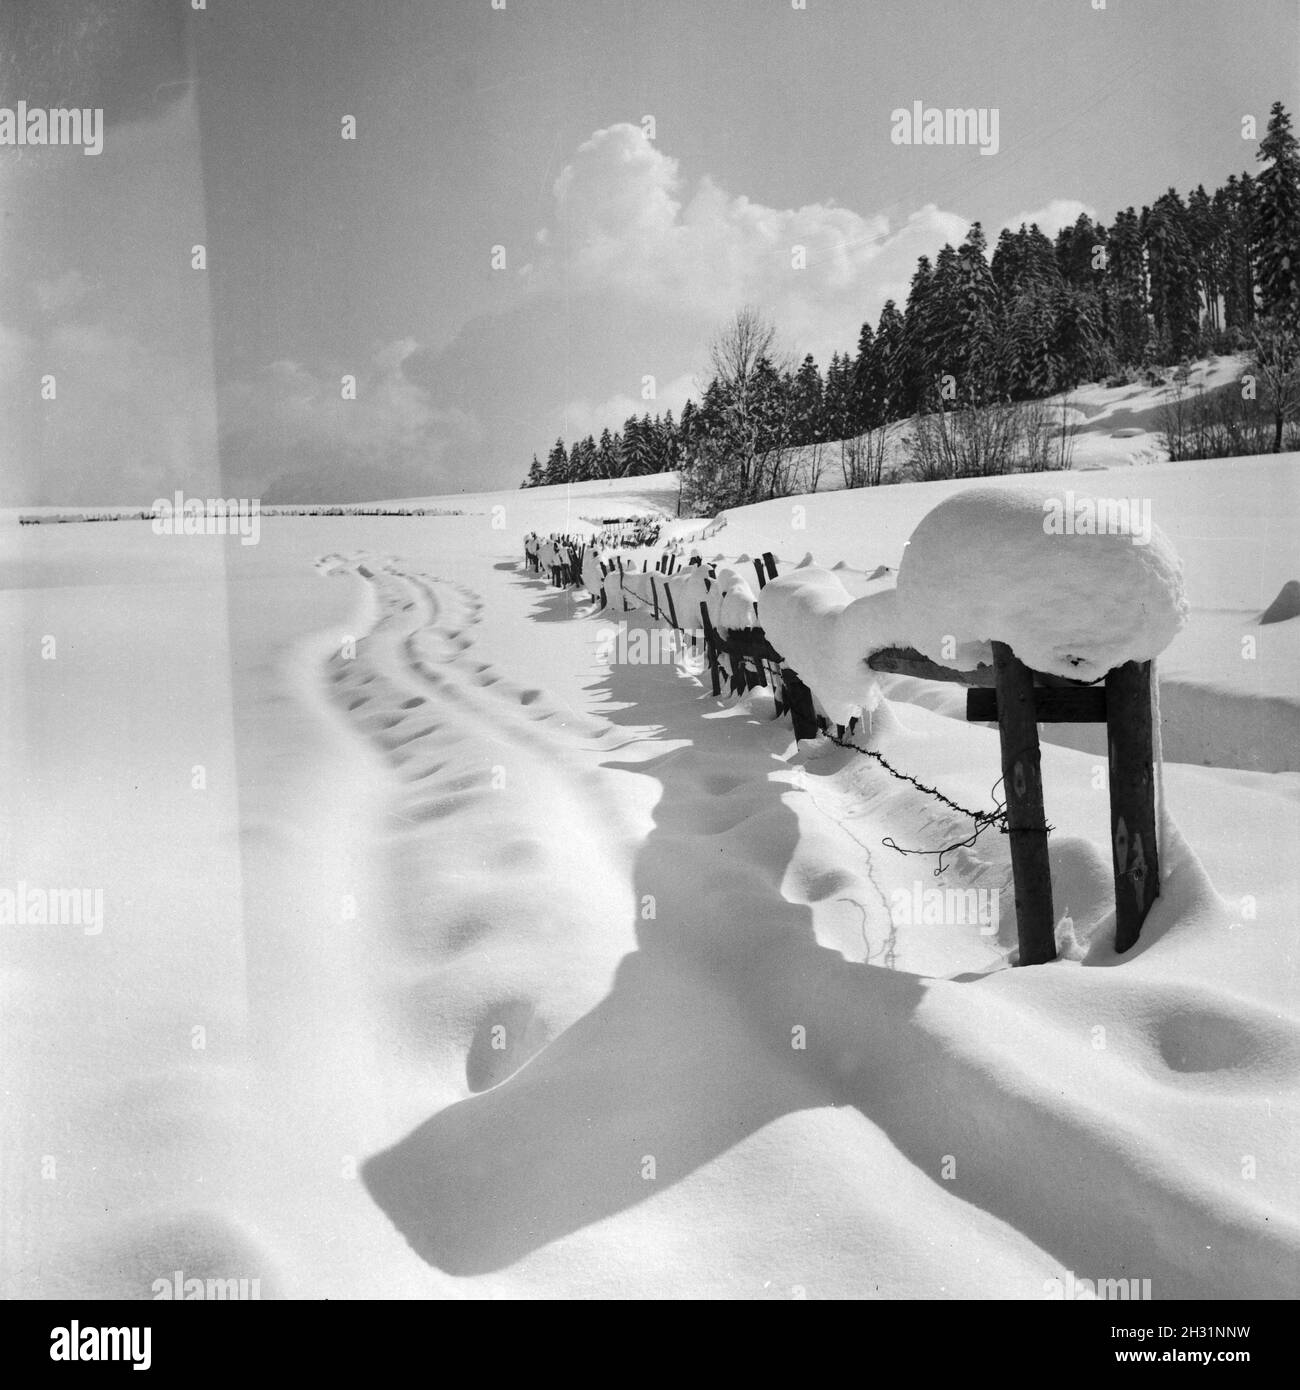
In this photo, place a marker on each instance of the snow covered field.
(440, 957)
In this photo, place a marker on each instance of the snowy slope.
(517, 971)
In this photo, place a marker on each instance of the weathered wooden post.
(672, 609)
(1124, 706)
(1022, 775)
(711, 649)
(799, 701)
(1021, 700)
(1134, 849)
(765, 568)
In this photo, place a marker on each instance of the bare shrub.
(982, 441)
(1228, 422)
(862, 459)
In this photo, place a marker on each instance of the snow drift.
(444, 1033)
(825, 636)
(1033, 569)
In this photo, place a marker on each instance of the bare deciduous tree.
(739, 346)
(1275, 360)
(737, 354)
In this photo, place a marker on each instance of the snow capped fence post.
(1125, 707)
(1083, 590)
(1022, 775)
(1135, 852)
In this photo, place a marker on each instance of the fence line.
(1020, 699)
(750, 661)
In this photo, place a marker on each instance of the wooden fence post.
(1022, 775)
(711, 650)
(1134, 850)
(798, 700)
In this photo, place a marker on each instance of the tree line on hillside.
(1183, 277)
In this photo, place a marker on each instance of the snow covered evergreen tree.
(976, 327)
(807, 403)
(1171, 268)
(1126, 278)
(1277, 217)
(557, 463)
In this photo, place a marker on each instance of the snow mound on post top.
(1018, 566)
(731, 600)
(592, 579)
(825, 635)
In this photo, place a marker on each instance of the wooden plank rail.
(907, 661)
(1080, 704)
(746, 641)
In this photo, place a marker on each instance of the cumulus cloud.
(1051, 217)
(626, 223)
(291, 433)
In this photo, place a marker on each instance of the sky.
(547, 211)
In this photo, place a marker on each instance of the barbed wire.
(983, 819)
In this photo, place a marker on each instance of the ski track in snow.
(497, 1034)
(473, 755)
(725, 971)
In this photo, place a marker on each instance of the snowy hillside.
(444, 954)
